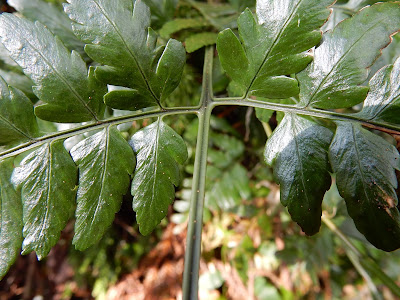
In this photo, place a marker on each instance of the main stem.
(195, 225)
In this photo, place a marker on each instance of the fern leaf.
(117, 35)
(273, 45)
(365, 165)
(340, 65)
(159, 151)
(52, 17)
(200, 40)
(298, 150)
(61, 77)
(179, 24)
(46, 179)
(383, 101)
(229, 188)
(105, 162)
(10, 218)
(17, 121)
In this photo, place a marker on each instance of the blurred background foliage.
(251, 248)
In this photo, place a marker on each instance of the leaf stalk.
(195, 225)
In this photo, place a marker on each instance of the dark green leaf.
(169, 69)
(159, 151)
(105, 161)
(117, 34)
(17, 121)
(383, 101)
(52, 17)
(10, 218)
(47, 179)
(61, 78)
(340, 66)
(298, 150)
(179, 24)
(273, 45)
(365, 165)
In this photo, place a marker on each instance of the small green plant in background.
(101, 67)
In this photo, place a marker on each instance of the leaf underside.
(46, 179)
(159, 151)
(365, 166)
(298, 149)
(10, 219)
(105, 161)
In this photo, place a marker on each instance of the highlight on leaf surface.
(61, 78)
(272, 58)
(17, 120)
(383, 101)
(117, 35)
(52, 17)
(334, 78)
(298, 150)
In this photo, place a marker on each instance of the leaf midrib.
(359, 162)
(107, 141)
(155, 168)
(300, 160)
(129, 51)
(48, 200)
